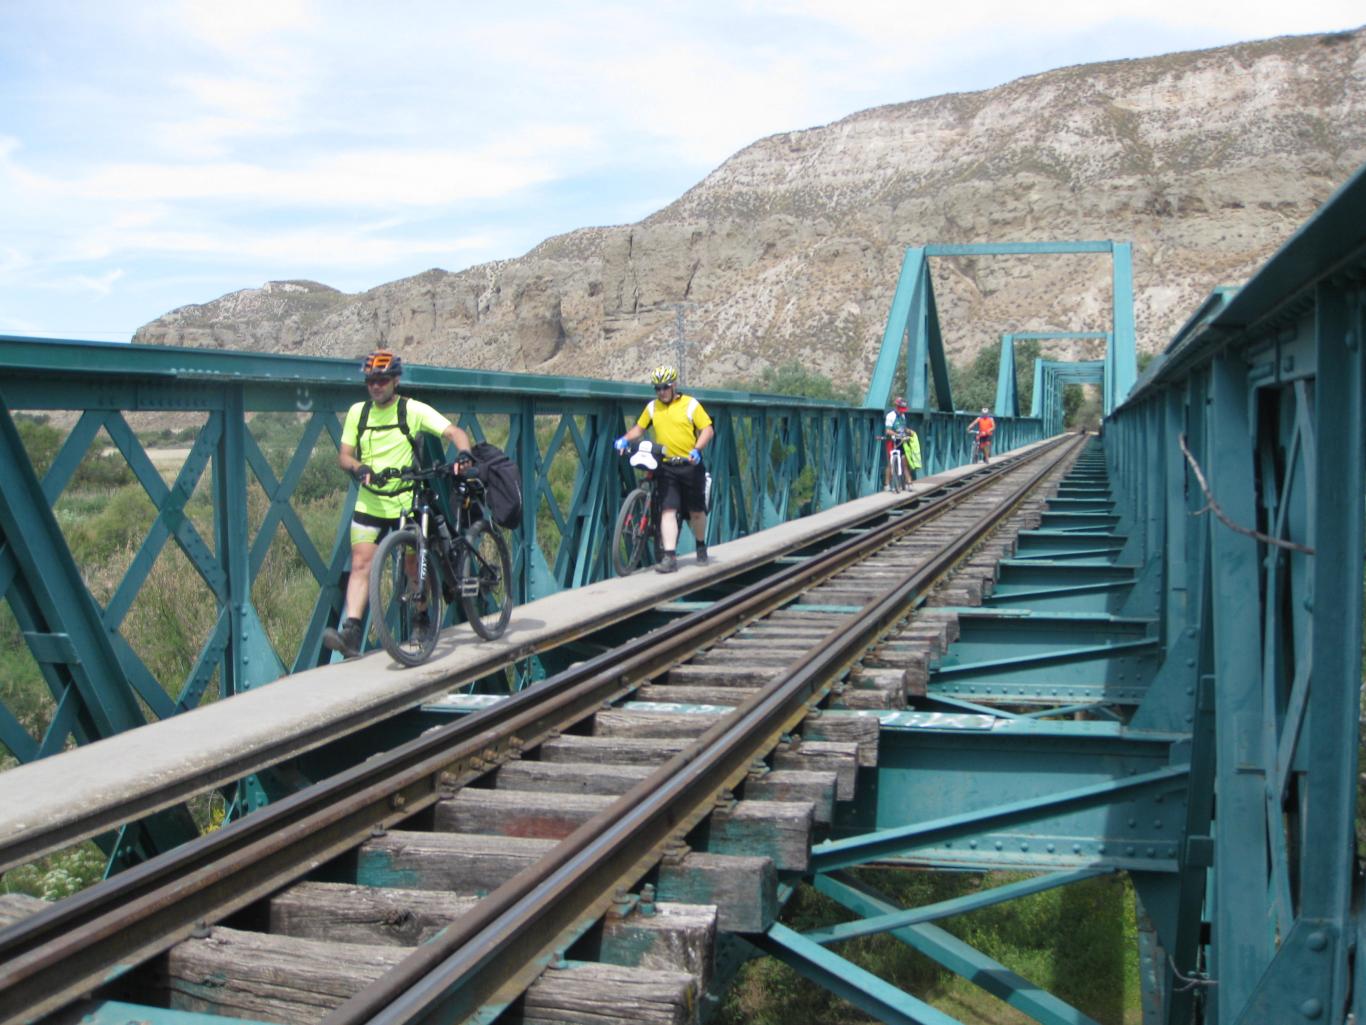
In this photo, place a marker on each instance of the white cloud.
(368, 178)
(100, 285)
(245, 28)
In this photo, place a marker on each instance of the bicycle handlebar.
(410, 474)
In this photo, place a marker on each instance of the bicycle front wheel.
(898, 474)
(486, 581)
(405, 603)
(632, 534)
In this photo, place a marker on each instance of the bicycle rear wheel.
(486, 581)
(633, 532)
(405, 604)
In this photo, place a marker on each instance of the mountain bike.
(635, 538)
(980, 443)
(430, 559)
(897, 460)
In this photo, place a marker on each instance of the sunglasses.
(378, 380)
(663, 387)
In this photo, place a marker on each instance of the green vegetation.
(105, 516)
(1078, 942)
(795, 379)
(57, 875)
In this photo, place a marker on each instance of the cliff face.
(1206, 161)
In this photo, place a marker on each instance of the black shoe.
(347, 640)
(667, 564)
(702, 559)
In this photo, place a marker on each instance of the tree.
(793, 378)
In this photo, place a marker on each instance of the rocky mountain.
(1206, 161)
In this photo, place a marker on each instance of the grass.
(1078, 943)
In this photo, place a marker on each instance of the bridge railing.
(1239, 461)
(258, 485)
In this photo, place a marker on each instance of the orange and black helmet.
(381, 363)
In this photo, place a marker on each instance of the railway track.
(612, 823)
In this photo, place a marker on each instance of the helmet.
(986, 409)
(899, 402)
(382, 363)
(664, 375)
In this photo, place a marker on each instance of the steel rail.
(50, 958)
(490, 955)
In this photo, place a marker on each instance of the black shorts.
(682, 486)
(368, 529)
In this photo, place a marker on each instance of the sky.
(159, 153)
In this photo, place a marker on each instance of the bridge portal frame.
(913, 323)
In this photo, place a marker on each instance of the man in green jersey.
(380, 434)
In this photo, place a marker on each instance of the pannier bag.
(502, 484)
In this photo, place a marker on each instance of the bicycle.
(898, 462)
(981, 442)
(635, 538)
(425, 561)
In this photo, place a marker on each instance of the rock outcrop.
(1206, 161)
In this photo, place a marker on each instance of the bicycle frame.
(423, 511)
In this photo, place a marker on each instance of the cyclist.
(984, 426)
(682, 429)
(896, 422)
(379, 434)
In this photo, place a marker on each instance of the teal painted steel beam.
(904, 311)
(66, 633)
(1327, 744)
(885, 843)
(949, 908)
(1121, 350)
(960, 958)
(847, 980)
(1242, 941)
(1018, 248)
(1007, 402)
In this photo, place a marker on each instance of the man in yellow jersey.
(682, 429)
(380, 434)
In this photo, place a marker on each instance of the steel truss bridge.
(1170, 663)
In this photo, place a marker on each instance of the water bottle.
(450, 588)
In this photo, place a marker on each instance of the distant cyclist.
(682, 429)
(897, 423)
(984, 427)
(380, 434)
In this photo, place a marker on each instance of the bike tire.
(395, 598)
(485, 580)
(632, 534)
(898, 474)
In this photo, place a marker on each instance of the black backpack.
(502, 484)
(363, 425)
